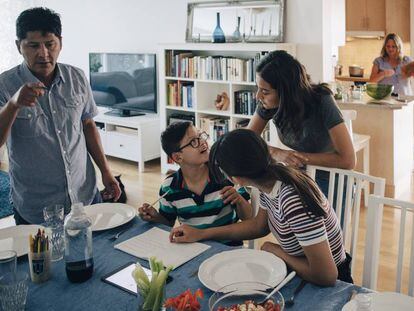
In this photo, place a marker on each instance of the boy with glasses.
(191, 196)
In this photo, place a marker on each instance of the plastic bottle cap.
(77, 208)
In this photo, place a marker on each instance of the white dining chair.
(350, 208)
(361, 143)
(255, 201)
(373, 241)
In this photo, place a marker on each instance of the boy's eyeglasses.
(195, 142)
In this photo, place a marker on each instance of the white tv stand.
(131, 138)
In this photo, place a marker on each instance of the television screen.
(126, 83)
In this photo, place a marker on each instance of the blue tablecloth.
(59, 294)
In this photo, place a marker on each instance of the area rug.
(5, 206)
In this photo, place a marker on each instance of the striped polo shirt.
(200, 211)
(294, 227)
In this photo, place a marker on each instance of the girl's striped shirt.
(294, 227)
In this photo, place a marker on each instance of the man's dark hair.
(172, 136)
(38, 19)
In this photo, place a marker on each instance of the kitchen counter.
(386, 103)
(390, 125)
(352, 79)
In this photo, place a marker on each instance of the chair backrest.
(350, 183)
(254, 200)
(373, 242)
(349, 116)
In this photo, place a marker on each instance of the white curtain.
(10, 10)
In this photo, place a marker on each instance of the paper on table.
(155, 242)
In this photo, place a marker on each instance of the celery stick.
(152, 264)
(150, 299)
(160, 266)
(139, 274)
(160, 283)
(144, 288)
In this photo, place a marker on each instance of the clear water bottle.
(78, 245)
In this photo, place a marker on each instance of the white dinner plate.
(384, 302)
(109, 215)
(17, 238)
(241, 265)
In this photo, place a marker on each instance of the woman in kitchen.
(306, 117)
(387, 69)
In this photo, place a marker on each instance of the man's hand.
(230, 195)
(290, 157)
(112, 188)
(28, 94)
(148, 213)
(185, 234)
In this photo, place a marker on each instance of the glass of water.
(8, 260)
(13, 291)
(54, 216)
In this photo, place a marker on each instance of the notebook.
(156, 242)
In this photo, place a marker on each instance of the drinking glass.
(13, 291)
(53, 216)
(8, 260)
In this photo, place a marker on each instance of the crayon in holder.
(40, 266)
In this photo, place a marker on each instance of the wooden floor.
(143, 187)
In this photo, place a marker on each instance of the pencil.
(31, 243)
(159, 198)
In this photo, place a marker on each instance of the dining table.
(58, 293)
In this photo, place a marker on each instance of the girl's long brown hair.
(298, 97)
(243, 153)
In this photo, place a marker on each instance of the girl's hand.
(230, 195)
(290, 157)
(185, 234)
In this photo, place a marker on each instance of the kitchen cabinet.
(379, 15)
(365, 15)
(397, 18)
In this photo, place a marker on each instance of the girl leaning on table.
(291, 207)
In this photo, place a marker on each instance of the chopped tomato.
(186, 301)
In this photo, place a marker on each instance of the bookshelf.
(192, 75)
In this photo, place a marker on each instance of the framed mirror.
(235, 21)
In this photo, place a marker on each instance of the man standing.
(47, 120)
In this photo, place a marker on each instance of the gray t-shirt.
(314, 137)
(401, 85)
(49, 160)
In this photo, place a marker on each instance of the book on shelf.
(185, 64)
(266, 133)
(214, 126)
(178, 117)
(180, 94)
(245, 102)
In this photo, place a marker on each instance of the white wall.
(140, 25)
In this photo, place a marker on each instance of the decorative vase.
(236, 33)
(218, 34)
